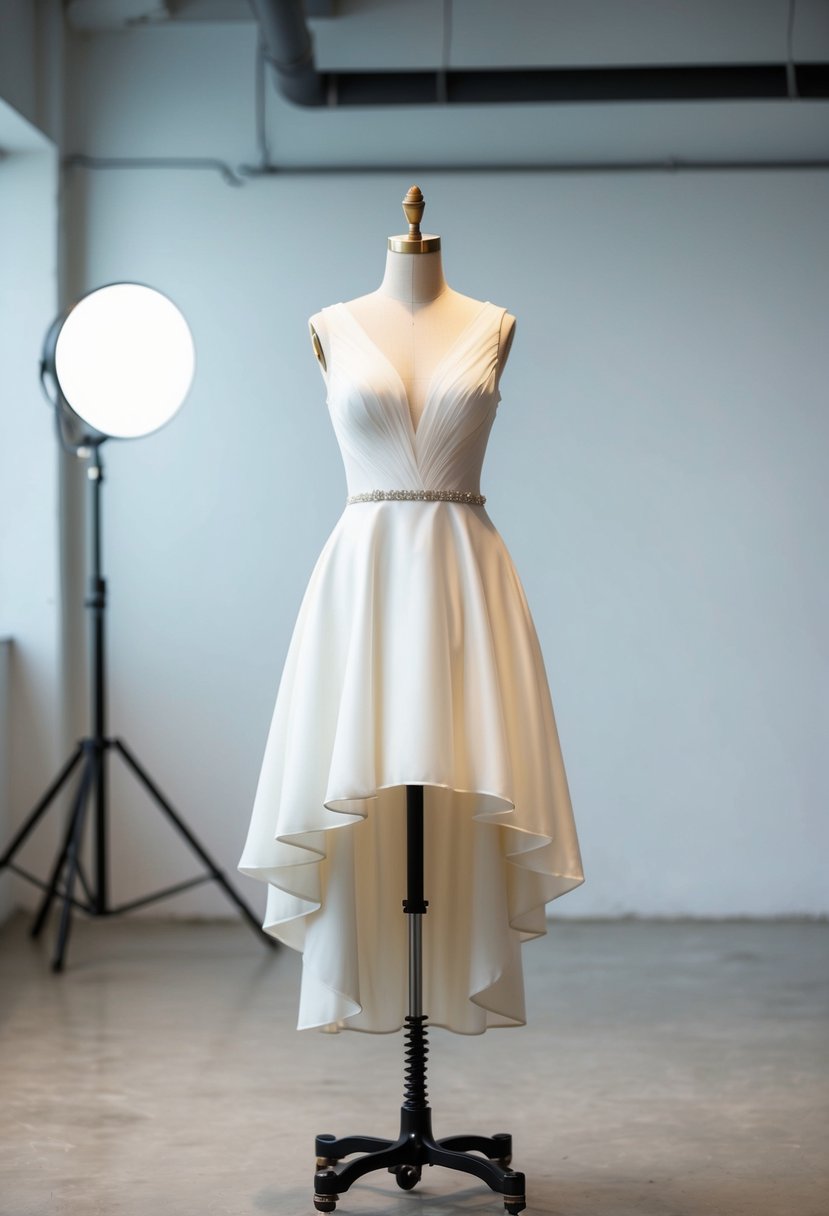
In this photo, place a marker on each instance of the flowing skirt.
(414, 660)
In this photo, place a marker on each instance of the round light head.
(122, 359)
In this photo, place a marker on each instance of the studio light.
(118, 364)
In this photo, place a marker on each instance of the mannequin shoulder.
(505, 337)
(318, 332)
(506, 333)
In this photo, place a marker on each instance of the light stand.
(92, 755)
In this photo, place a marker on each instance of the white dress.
(414, 660)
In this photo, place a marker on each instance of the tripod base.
(486, 1157)
(91, 755)
(406, 1156)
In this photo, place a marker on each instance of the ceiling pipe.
(289, 50)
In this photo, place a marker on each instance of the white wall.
(32, 718)
(656, 469)
(29, 525)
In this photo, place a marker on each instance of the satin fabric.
(414, 660)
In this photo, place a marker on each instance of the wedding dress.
(414, 660)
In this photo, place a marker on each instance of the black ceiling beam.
(488, 87)
(812, 79)
(289, 51)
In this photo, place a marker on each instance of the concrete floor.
(667, 1070)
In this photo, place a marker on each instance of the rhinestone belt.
(465, 496)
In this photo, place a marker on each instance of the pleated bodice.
(381, 447)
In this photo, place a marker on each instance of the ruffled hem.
(309, 902)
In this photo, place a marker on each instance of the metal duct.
(289, 51)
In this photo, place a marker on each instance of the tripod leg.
(75, 814)
(42, 806)
(194, 844)
(94, 767)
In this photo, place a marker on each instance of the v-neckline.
(437, 369)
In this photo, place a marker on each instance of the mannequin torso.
(414, 317)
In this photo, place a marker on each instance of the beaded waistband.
(464, 496)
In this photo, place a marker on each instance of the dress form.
(414, 316)
(413, 748)
(413, 319)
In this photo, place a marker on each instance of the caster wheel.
(504, 1162)
(515, 1199)
(325, 1163)
(325, 1200)
(407, 1176)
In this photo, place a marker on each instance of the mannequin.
(414, 316)
(414, 320)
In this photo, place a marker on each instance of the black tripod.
(416, 1145)
(91, 754)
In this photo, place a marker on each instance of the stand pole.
(414, 905)
(486, 1157)
(92, 753)
(97, 603)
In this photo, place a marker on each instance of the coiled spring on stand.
(417, 1049)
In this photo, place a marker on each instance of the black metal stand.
(416, 1145)
(92, 753)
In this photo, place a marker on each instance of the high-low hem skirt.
(414, 661)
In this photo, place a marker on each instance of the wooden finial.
(414, 205)
(414, 241)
